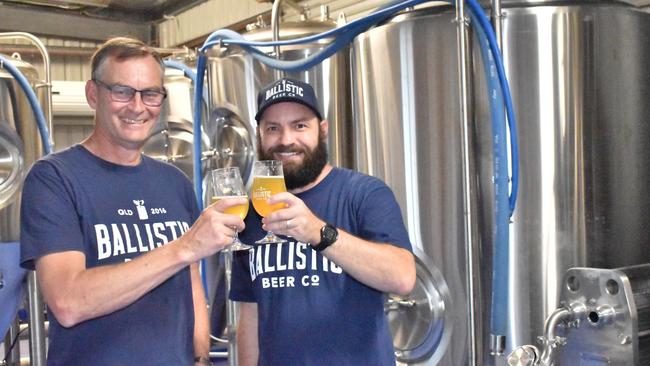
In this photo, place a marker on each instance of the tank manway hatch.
(12, 166)
(421, 323)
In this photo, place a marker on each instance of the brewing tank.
(580, 86)
(172, 138)
(20, 143)
(235, 78)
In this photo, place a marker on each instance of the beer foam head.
(287, 90)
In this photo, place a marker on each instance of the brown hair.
(121, 48)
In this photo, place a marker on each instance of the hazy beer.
(263, 188)
(239, 210)
(268, 180)
(227, 183)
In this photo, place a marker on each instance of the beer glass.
(268, 180)
(227, 183)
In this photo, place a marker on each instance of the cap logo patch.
(287, 90)
(284, 89)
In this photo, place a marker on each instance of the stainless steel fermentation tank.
(172, 139)
(20, 143)
(235, 78)
(20, 147)
(579, 80)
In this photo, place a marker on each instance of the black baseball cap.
(287, 90)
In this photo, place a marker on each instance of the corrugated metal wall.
(70, 59)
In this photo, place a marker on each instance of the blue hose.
(192, 76)
(33, 102)
(500, 253)
(349, 31)
(370, 20)
(184, 68)
(485, 25)
(187, 71)
(198, 149)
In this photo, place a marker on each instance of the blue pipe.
(187, 71)
(372, 19)
(500, 253)
(485, 25)
(33, 102)
(306, 63)
(184, 68)
(198, 149)
(349, 31)
(192, 76)
(225, 36)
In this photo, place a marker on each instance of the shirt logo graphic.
(142, 211)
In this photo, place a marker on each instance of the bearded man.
(317, 299)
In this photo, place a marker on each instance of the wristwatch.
(328, 235)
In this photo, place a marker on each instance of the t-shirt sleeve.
(193, 204)
(241, 288)
(379, 216)
(49, 220)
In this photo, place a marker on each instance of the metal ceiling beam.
(54, 24)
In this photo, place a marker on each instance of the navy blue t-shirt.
(310, 311)
(73, 200)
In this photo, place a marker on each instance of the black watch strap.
(328, 236)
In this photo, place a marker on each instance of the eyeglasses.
(123, 93)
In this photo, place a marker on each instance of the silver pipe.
(48, 74)
(550, 340)
(275, 24)
(463, 75)
(13, 357)
(53, 51)
(275, 31)
(36, 323)
(218, 354)
(497, 22)
(25, 328)
(231, 314)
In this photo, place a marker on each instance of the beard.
(298, 175)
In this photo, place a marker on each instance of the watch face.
(329, 233)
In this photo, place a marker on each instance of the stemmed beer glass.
(268, 179)
(227, 183)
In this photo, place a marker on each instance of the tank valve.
(523, 356)
(604, 314)
(395, 303)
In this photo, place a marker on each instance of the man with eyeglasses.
(115, 236)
